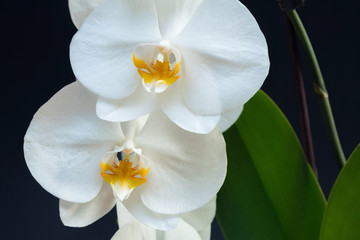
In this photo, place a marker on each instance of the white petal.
(137, 104)
(174, 106)
(80, 9)
(206, 233)
(202, 217)
(229, 118)
(182, 231)
(186, 170)
(65, 143)
(101, 52)
(125, 217)
(130, 231)
(83, 214)
(133, 127)
(150, 218)
(225, 57)
(174, 15)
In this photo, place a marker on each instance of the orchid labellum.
(195, 60)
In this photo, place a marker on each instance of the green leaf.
(342, 215)
(270, 191)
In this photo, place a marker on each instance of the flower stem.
(319, 88)
(301, 96)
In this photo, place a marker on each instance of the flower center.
(124, 169)
(157, 64)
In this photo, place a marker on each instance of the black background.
(35, 65)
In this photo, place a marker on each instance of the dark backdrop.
(35, 38)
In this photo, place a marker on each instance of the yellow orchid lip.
(157, 74)
(124, 175)
(161, 68)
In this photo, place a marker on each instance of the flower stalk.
(319, 88)
(301, 96)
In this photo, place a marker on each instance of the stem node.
(320, 89)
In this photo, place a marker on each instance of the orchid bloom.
(154, 168)
(195, 60)
(195, 225)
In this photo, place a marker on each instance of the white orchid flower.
(195, 225)
(194, 59)
(80, 10)
(156, 169)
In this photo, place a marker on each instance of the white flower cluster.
(157, 81)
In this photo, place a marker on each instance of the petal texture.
(125, 218)
(174, 15)
(136, 105)
(133, 127)
(183, 230)
(225, 57)
(206, 233)
(80, 9)
(229, 118)
(65, 142)
(130, 231)
(83, 214)
(148, 217)
(173, 105)
(202, 217)
(101, 52)
(186, 169)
